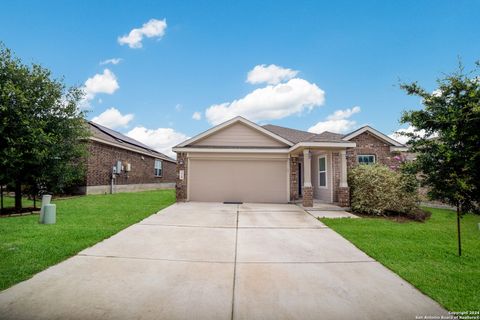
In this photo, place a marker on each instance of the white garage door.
(246, 180)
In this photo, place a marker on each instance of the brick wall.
(335, 174)
(294, 178)
(102, 158)
(181, 185)
(370, 144)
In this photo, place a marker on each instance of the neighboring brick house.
(117, 163)
(239, 160)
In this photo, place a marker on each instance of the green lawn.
(424, 254)
(10, 202)
(27, 247)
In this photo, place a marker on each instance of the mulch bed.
(418, 215)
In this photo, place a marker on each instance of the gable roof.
(375, 132)
(225, 124)
(297, 136)
(115, 138)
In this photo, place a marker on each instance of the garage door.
(245, 180)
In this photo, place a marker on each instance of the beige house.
(240, 161)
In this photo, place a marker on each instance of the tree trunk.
(458, 231)
(18, 195)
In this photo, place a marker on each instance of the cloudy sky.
(164, 71)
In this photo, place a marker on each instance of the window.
(158, 168)
(366, 159)
(322, 171)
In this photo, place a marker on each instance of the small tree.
(41, 128)
(447, 140)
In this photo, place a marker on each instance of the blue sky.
(336, 64)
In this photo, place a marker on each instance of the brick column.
(181, 184)
(294, 178)
(307, 197)
(344, 196)
(307, 179)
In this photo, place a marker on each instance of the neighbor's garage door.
(246, 180)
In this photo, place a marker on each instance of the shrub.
(418, 214)
(377, 190)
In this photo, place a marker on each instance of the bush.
(377, 190)
(418, 214)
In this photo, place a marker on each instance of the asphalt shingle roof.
(100, 132)
(297, 136)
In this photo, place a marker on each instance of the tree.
(447, 140)
(41, 128)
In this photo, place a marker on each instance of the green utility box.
(50, 214)
(46, 198)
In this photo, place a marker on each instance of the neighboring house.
(117, 163)
(239, 160)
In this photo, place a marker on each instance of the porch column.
(343, 190)
(307, 179)
(343, 169)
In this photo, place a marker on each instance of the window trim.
(367, 155)
(155, 168)
(325, 171)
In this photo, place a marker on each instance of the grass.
(424, 254)
(27, 247)
(10, 202)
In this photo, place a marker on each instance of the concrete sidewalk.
(217, 261)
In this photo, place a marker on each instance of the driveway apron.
(219, 261)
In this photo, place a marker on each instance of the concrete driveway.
(218, 261)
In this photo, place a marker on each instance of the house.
(117, 163)
(239, 160)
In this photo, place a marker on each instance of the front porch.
(319, 175)
(322, 209)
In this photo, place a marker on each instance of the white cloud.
(111, 61)
(410, 129)
(271, 74)
(161, 139)
(437, 93)
(150, 29)
(197, 116)
(105, 82)
(112, 118)
(271, 102)
(337, 122)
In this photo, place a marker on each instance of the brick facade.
(102, 158)
(181, 185)
(335, 174)
(368, 144)
(294, 178)
(307, 200)
(343, 196)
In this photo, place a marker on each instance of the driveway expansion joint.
(305, 262)
(152, 259)
(287, 228)
(185, 226)
(235, 265)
